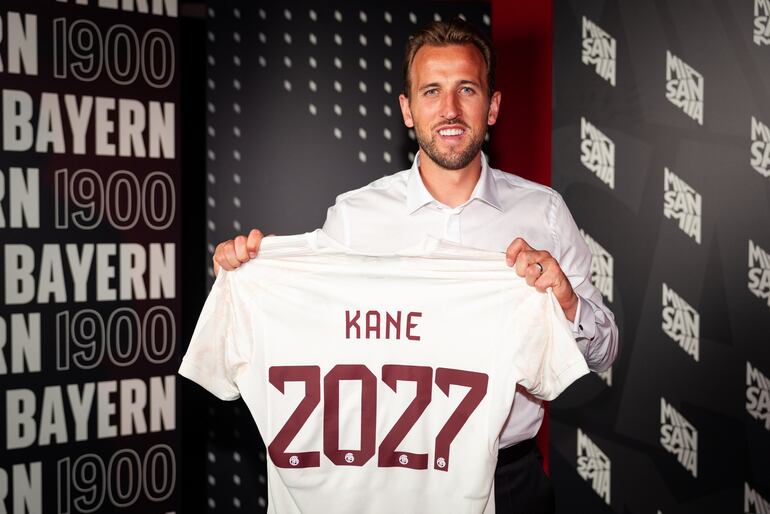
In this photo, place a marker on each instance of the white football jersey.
(379, 384)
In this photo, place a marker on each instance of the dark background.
(253, 152)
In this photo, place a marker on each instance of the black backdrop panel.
(89, 253)
(669, 100)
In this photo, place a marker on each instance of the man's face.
(448, 103)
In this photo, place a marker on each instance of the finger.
(558, 281)
(253, 242)
(553, 276)
(240, 249)
(513, 250)
(220, 257)
(521, 264)
(230, 257)
(534, 272)
(544, 281)
(216, 266)
(527, 258)
(531, 275)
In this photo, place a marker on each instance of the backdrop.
(89, 253)
(660, 147)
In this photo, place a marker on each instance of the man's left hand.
(542, 271)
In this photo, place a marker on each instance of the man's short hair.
(454, 32)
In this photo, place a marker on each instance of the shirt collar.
(418, 196)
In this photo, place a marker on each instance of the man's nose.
(451, 106)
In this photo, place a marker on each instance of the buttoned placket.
(452, 222)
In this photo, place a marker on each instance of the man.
(451, 193)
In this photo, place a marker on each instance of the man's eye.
(431, 92)
(467, 90)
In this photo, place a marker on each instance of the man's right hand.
(230, 254)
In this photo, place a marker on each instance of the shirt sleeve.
(214, 359)
(594, 327)
(548, 360)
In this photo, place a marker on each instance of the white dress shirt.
(397, 211)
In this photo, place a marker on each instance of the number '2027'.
(387, 453)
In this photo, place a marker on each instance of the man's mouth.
(451, 131)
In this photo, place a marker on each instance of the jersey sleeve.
(548, 358)
(214, 357)
(336, 225)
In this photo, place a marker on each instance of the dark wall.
(90, 252)
(660, 148)
(194, 285)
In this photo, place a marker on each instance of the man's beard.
(451, 160)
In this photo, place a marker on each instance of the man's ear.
(406, 112)
(494, 108)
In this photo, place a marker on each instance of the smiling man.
(452, 193)
(447, 102)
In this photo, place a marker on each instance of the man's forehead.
(431, 51)
(466, 59)
(461, 63)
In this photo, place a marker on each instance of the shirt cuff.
(584, 326)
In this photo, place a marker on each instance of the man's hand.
(230, 254)
(541, 271)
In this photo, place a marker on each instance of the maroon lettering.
(352, 323)
(410, 325)
(376, 324)
(390, 321)
(311, 376)
(388, 454)
(331, 438)
(477, 382)
(373, 324)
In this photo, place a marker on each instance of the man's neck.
(450, 187)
